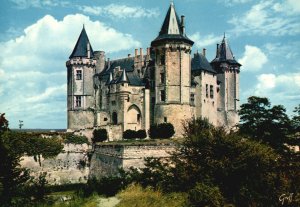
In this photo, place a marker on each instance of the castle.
(166, 84)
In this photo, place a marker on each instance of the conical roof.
(82, 46)
(224, 53)
(172, 28)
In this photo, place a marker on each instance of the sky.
(37, 37)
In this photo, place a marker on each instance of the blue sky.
(37, 37)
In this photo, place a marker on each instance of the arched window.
(115, 118)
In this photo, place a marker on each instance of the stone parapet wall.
(108, 159)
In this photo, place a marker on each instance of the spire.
(172, 28)
(224, 52)
(123, 78)
(83, 47)
(171, 23)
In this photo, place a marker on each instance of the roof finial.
(224, 35)
(172, 2)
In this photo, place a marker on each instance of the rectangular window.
(192, 98)
(78, 74)
(113, 103)
(162, 78)
(206, 89)
(165, 119)
(162, 59)
(211, 91)
(78, 101)
(162, 95)
(138, 117)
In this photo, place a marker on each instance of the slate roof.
(80, 49)
(171, 28)
(199, 63)
(224, 53)
(124, 63)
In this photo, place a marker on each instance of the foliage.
(205, 195)
(222, 161)
(262, 122)
(163, 131)
(71, 138)
(131, 134)
(99, 135)
(135, 195)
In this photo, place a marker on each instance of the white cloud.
(253, 59)
(24, 4)
(32, 66)
(204, 41)
(119, 11)
(281, 89)
(234, 2)
(290, 7)
(267, 18)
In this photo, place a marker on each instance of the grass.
(135, 195)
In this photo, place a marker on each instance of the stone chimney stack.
(136, 52)
(148, 51)
(183, 24)
(141, 52)
(204, 52)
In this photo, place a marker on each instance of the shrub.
(100, 135)
(131, 134)
(141, 134)
(163, 131)
(75, 139)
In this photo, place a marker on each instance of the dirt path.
(108, 202)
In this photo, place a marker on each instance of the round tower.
(80, 93)
(172, 50)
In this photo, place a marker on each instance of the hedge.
(131, 134)
(100, 135)
(161, 131)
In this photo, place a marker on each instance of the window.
(192, 98)
(77, 101)
(165, 119)
(115, 118)
(206, 89)
(113, 103)
(78, 74)
(138, 117)
(162, 59)
(105, 119)
(162, 78)
(211, 91)
(162, 95)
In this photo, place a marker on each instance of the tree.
(12, 176)
(213, 164)
(262, 122)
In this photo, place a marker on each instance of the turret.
(81, 69)
(228, 70)
(172, 71)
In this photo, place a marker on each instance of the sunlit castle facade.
(164, 83)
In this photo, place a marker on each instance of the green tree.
(242, 171)
(12, 177)
(262, 122)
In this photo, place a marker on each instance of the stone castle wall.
(108, 159)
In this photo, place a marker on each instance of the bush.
(205, 195)
(163, 131)
(141, 134)
(131, 134)
(99, 135)
(75, 139)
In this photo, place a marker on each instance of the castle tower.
(172, 50)
(80, 71)
(228, 70)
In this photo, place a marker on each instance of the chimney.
(148, 51)
(182, 24)
(141, 52)
(204, 52)
(108, 63)
(136, 52)
(129, 55)
(88, 50)
(217, 50)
